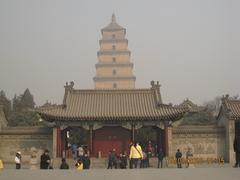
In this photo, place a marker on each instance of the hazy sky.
(192, 47)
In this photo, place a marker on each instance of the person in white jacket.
(18, 160)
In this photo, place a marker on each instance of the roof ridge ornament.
(157, 85)
(157, 94)
(225, 98)
(70, 86)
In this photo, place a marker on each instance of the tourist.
(189, 155)
(86, 161)
(112, 159)
(178, 156)
(130, 160)
(236, 147)
(144, 160)
(160, 158)
(74, 151)
(149, 149)
(45, 160)
(79, 165)
(136, 155)
(64, 164)
(80, 151)
(18, 159)
(123, 161)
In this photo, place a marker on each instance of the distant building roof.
(231, 107)
(113, 26)
(190, 106)
(133, 104)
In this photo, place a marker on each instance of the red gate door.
(109, 138)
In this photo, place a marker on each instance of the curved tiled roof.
(140, 104)
(191, 106)
(233, 106)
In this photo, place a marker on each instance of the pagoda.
(114, 69)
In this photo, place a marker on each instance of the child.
(79, 165)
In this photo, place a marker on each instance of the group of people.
(178, 157)
(45, 161)
(83, 161)
(114, 161)
(137, 158)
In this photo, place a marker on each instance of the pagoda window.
(114, 72)
(114, 85)
(113, 36)
(114, 59)
(113, 47)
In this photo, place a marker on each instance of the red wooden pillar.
(166, 139)
(59, 142)
(91, 139)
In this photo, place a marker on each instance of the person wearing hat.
(18, 160)
(45, 160)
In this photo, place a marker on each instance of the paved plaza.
(136, 174)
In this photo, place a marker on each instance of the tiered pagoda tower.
(114, 69)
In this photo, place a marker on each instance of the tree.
(24, 118)
(16, 103)
(214, 105)
(6, 103)
(27, 100)
(23, 113)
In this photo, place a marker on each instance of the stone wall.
(204, 141)
(13, 139)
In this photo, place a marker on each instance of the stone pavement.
(131, 174)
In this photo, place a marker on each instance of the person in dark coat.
(236, 147)
(112, 159)
(64, 164)
(86, 161)
(160, 158)
(123, 161)
(45, 160)
(178, 156)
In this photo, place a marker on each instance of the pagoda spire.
(113, 18)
